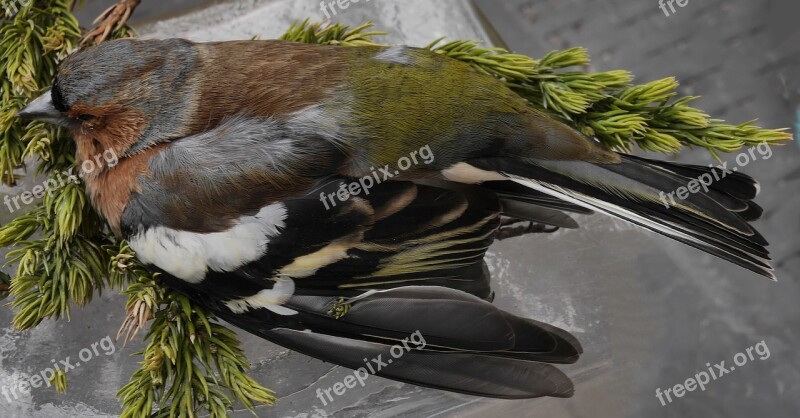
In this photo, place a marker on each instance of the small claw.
(126, 15)
(105, 34)
(105, 14)
(339, 308)
(509, 231)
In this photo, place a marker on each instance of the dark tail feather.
(468, 345)
(454, 320)
(519, 193)
(538, 214)
(644, 192)
(523, 203)
(564, 349)
(737, 186)
(469, 373)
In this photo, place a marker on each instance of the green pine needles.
(606, 105)
(192, 364)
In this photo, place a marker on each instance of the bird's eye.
(85, 117)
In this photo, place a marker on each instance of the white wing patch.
(469, 174)
(271, 299)
(189, 255)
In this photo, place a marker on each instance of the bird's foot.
(510, 228)
(136, 317)
(339, 308)
(112, 19)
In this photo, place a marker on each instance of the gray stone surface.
(649, 312)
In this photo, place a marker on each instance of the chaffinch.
(335, 200)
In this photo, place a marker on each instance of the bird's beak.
(42, 109)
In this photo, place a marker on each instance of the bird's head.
(122, 96)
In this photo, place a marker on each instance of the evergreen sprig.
(32, 43)
(191, 363)
(64, 265)
(331, 34)
(606, 105)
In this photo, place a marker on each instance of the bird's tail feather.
(706, 208)
(464, 343)
(469, 373)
